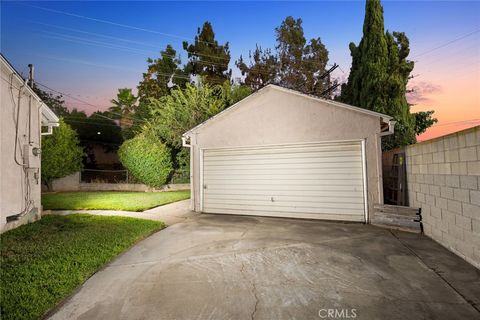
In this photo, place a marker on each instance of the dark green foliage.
(123, 109)
(183, 109)
(43, 262)
(95, 129)
(207, 58)
(296, 64)
(262, 70)
(423, 121)
(379, 75)
(54, 102)
(61, 153)
(146, 159)
(369, 64)
(162, 74)
(116, 200)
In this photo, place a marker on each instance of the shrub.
(146, 159)
(61, 153)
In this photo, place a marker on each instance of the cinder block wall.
(443, 177)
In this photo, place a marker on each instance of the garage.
(317, 181)
(281, 153)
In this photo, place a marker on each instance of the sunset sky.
(90, 49)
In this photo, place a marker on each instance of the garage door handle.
(204, 186)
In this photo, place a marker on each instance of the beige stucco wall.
(443, 177)
(273, 116)
(13, 179)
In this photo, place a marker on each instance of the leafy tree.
(162, 74)
(423, 121)
(147, 159)
(207, 58)
(262, 70)
(123, 107)
(296, 64)
(379, 75)
(54, 102)
(61, 154)
(182, 110)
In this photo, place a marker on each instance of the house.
(24, 118)
(282, 153)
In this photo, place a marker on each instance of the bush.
(61, 153)
(146, 159)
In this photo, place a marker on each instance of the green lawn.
(128, 201)
(43, 262)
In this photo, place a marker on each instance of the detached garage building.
(282, 153)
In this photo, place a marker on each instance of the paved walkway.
(170, 213)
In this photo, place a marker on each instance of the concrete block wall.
(443, 177)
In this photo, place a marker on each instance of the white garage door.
(316, 181)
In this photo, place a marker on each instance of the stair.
(397, 217)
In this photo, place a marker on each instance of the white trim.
(385, 118)
(11, 69)
(365, 184)
(201, 180)
(192, 190)
(51, 118)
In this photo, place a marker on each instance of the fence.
(104, 176)
(115, 180)
(443, 177)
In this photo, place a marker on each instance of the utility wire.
(113, 23)
(446, 44)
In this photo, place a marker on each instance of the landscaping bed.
(43, 262)
(101, 200)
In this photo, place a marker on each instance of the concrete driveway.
(232, 267)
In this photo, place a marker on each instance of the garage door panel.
(294, 148)
(288, 214)
(287, 196)
(288, 182)
(280, 209)
(321, 202)
(280, 168)
(323, 180)
(281, 188)
(282, 173)
(286, 155)
(342, 161)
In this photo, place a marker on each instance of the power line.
(87, 103)
(112, 23)
(456, 122)
(190, 52)
(446, 44)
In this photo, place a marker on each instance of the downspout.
(186, 142)
(389, 131)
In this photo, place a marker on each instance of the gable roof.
(385, 118)
(49, 118)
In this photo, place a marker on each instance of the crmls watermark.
(337, 313)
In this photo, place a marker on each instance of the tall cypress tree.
(379, 75)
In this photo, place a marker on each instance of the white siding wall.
(13, 179)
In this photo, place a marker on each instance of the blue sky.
(82, 56)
